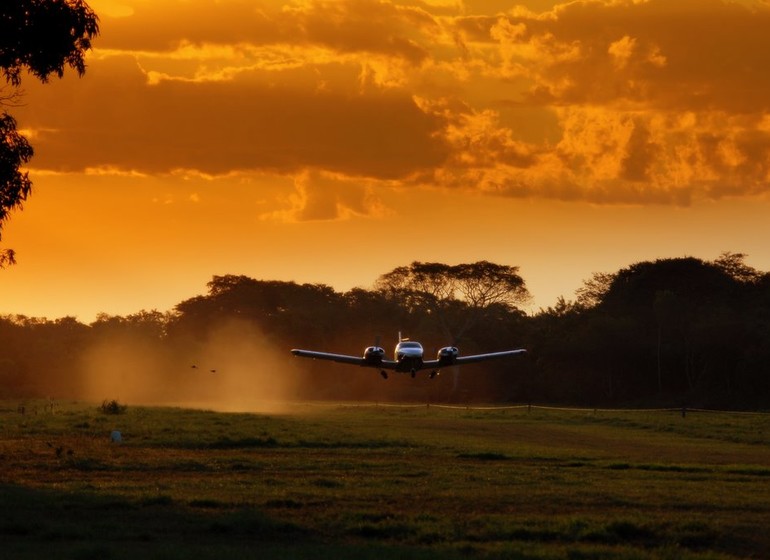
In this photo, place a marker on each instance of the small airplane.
(408, 358)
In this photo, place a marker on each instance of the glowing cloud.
(322, 196)
(658, 101)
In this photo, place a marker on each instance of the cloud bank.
(612, 102)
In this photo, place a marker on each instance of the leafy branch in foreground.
(42, 37)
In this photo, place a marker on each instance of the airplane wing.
(343, 359)
(490, 356)
(460, 360)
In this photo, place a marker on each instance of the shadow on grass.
(38, 523)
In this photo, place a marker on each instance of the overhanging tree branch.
(43, 37)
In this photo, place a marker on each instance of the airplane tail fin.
(399, 336)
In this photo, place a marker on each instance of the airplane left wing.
(460, 360)
(490, 356)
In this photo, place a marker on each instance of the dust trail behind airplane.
(236, 369)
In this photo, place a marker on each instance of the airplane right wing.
(343, 359)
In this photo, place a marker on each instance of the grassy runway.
(382, 482)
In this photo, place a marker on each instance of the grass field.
(382, 482)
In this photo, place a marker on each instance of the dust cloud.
(234, 368)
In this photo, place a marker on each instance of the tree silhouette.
(15, 185)
(679, 329)
(43, 37)
(652, 334)
(457, 296)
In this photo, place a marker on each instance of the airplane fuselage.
(409, 355)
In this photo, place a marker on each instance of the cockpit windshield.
(409, 345)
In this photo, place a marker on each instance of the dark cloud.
(347, 26)
(704, 54)
(114, 118)
(641, 153)
(649, 102)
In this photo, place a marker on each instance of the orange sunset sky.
(331, 141)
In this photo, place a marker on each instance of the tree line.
(670, 332)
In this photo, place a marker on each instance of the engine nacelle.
(374, 355)
(447, 355)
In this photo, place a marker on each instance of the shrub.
(112, 407)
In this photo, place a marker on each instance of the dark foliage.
(15, 185)
(671, 332)
(42, 37)
(112, 407)
(458, 296)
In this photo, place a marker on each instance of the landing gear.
(384, 374)
(433, 374)
(414, 372)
